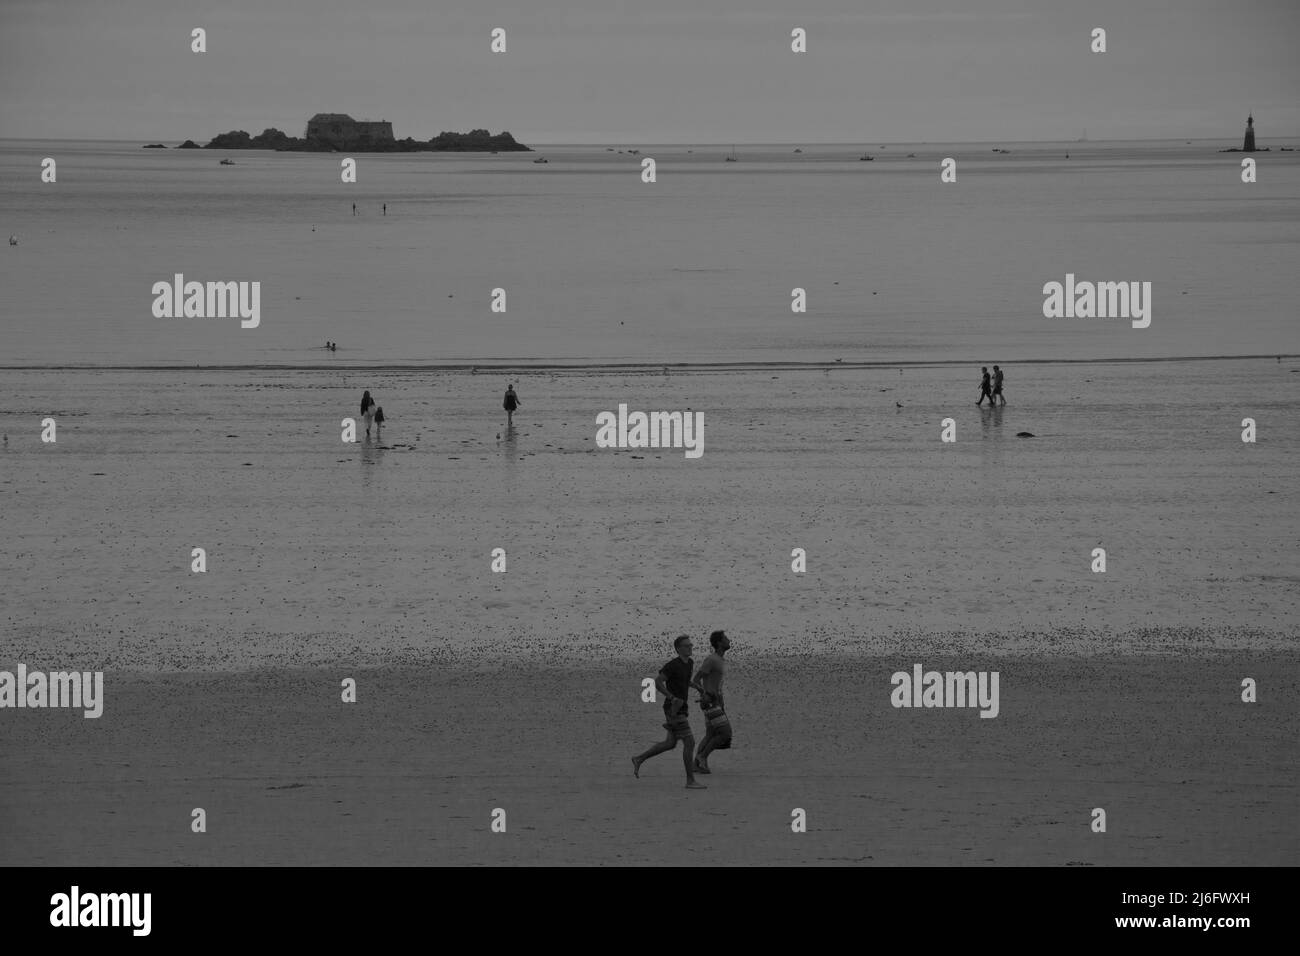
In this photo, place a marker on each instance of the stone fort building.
(343, 132)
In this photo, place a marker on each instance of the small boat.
(865, 158)
(732, 157)
(541, 159)
(798, 150)
(227, 162)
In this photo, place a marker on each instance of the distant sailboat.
(1084, 137)
(732, 157)
(227, 162)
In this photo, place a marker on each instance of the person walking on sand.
(708, 681)
(368, 411)
(997, 386)
(379, 422)
(674, 682)
(985, 387)
(510, 404)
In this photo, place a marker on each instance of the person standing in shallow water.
(510, 403)
(986, 389)
(368, 411)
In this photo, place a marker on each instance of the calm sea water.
(599, 266)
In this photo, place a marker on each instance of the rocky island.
(338, 132)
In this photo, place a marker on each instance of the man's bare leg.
(665, 745)
(688, 759)
(702, 755)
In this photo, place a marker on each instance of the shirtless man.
(708, 681)
(674, 682)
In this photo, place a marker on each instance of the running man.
(997, 386)
(674, 682)
(510, 403)
(986, 390)
(708, 681)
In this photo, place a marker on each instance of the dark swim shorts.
(679, 727)
(676, 721)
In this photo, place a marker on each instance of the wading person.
(368, 411)
(510, 403)
(674, 682)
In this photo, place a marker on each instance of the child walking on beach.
(379, 421)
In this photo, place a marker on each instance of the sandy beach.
(410, 774)
(521, 690)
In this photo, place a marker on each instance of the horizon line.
(793, 142)
(520, 365)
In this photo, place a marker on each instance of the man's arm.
(661, 681)
(705, 668)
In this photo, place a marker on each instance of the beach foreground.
(521, 690)
(410, 773)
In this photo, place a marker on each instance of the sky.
(655, 71)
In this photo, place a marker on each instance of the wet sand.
(379, 553)
(521, 690)
(410, 774)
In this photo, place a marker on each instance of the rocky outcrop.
(267, 139)
(476, 140)
(328, 132)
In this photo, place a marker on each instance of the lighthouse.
(1249, 145)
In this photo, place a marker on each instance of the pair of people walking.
(674, 681)
(372, 413)
(991, 388)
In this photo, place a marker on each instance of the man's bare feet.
(695, 785)
(636, 768)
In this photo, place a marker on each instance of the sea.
(600, 267)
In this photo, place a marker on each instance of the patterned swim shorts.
(679, 726)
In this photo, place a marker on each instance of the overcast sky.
(690, 71)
